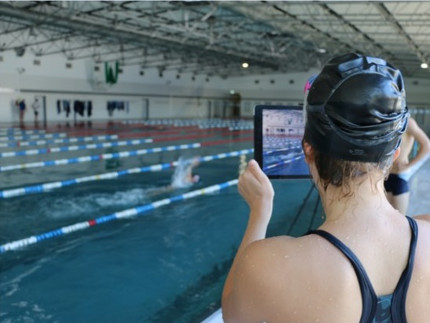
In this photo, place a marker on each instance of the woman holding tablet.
(367, 262)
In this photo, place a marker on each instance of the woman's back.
(308, 279)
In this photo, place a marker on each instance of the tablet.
(278, 134)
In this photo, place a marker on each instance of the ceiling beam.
(394, 23)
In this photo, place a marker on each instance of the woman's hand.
(256, 188)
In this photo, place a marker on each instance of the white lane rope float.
(46, 187)
(84, 159)
(29, 137)
(131, 142)
(13, 131)
(125, 214)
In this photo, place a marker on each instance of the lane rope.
(84, 159)
(59, 141)
(74, 148)
(34, 189)
(13, 131)
(125, 214)
(39, 136)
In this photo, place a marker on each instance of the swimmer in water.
(183, 176)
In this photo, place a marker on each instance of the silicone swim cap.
(356, 109)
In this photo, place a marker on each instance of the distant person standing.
(20, 103)
(36, 107)
(397, 183)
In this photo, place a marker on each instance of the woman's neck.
(366, 199)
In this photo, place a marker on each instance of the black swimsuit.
(382, 309)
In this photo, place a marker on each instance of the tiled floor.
(420, 191)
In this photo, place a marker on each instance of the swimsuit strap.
(368, 296)
(399, 295)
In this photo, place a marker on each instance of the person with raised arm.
(367, 262)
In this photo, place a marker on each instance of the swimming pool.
(166, 265)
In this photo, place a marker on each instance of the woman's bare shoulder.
(292, 269)
(287, 253)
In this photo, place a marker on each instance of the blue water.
(168, 265)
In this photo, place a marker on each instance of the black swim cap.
(356, 109)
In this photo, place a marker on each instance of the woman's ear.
(309, 152)
(396, 154)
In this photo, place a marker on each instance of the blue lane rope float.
(152, 168)
(58, 141)
(85, 159)
(29, 137)
(125, 214)
(131, 142)
(202, 124)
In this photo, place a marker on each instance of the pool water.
(168, 265)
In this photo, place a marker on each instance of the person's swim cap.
(356, 109)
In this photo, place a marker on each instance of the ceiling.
(216, 37)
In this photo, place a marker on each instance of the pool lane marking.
(84, 159)
(129, 213)
(225, 141)
(41, 151)
(119, 131)
(58, 141)
(129, 142)
(152, 168)
(122, 154)
(104, 137)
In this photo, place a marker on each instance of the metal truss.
(216, 37)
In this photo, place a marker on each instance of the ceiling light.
(245, 65)
(424, 65)
(20, 51)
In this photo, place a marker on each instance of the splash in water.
(183, 176)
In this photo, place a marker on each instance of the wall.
(149, 95)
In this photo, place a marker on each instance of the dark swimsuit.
(396, 185)
(382, 309)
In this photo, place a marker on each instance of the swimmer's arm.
(424, 143)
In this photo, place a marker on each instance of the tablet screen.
(278, 134)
